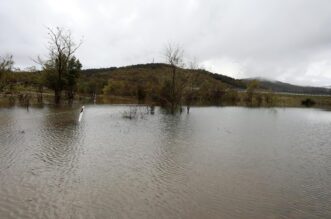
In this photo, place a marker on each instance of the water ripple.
(270, 165)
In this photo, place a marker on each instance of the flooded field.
(216, 162)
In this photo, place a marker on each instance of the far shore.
(280, 100)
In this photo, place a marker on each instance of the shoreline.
(279, 100)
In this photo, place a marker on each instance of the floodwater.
(226, 162)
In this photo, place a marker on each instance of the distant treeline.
(172, 84)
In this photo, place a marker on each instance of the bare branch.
(61, 48)
(6, 63)
(174, 55)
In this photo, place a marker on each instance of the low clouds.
(281, 40)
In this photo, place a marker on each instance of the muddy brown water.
(226, 162)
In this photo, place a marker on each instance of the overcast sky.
(287, 40)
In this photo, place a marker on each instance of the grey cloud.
(282, 40)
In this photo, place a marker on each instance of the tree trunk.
(59, 85)
(173, 98)
(70, 95)
(40, 94)
(57, 96)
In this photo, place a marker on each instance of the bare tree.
(174, 57)
(6, 65)
(61, 49)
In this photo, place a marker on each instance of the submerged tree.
(61, 68)
(71, 77)
(174, 57)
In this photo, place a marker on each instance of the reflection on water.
(214, 163)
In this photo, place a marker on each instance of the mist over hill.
(278, 86)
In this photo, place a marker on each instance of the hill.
(153, 75)
(157, 73)
(151, 83)
(281, 87)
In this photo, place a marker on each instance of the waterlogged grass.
(296, 100)
(276, 100)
